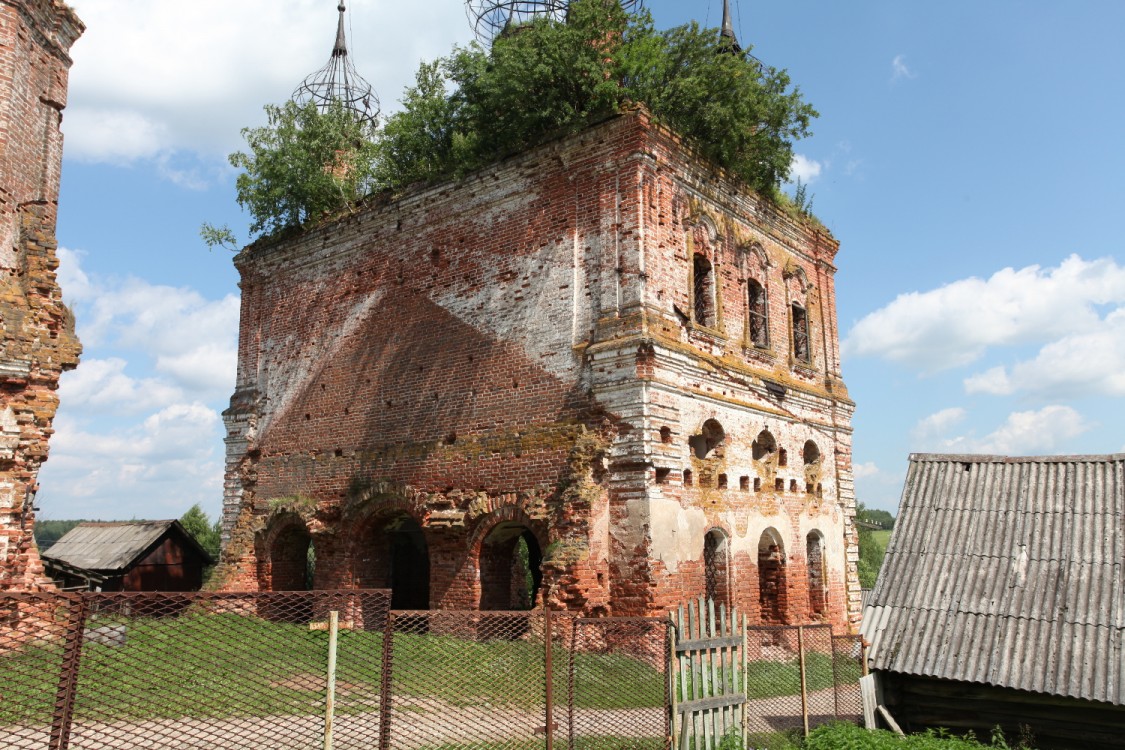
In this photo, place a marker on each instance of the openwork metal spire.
(728, 41)
(491, 18)
(339, 82)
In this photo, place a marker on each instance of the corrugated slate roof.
(113, 546)
(1007, 572)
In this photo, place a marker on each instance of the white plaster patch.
(677, 532)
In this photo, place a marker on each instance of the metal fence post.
(804, 683)
(548, 668)
(68, 676)
(385, 683)
(330, 688)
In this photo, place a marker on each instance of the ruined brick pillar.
(37, 341)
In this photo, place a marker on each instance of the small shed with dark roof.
(1001, 601)
(129, 556)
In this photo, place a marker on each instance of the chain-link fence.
(294, 669)
(799, 677)
(618, 683)
(191, 670)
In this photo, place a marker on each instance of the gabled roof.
(1007, 572)
(114, 546)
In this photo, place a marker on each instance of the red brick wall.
(455, 354)
(37, 339)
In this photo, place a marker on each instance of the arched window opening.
(708, 440)
(289, 565)
(764, 446)
(393, 553)
(818, 592)
(716, 567)
(511, 568)
(800, 334)
(810, 453)
(782, 457)
(771, 578)
(291, 560)
(703, 291)
(757, 303)
(666, 435)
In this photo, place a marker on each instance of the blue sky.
(968, 156)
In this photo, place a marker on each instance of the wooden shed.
(128, 556)
(1001, 601)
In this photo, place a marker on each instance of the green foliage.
(196, 523)
(550, 79)
(543, 80)
(741, 114)
(302, 165)
(851, 737)
(802, 201)
(49, 532)
(214, 236)
(871, 549)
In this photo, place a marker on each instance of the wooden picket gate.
(706, 680)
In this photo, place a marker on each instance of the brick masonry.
(37, 340)
(549, 365)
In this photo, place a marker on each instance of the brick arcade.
(601, 371)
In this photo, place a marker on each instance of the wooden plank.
(718, 701)
(867, 693)
(890, 722)
(703, 644)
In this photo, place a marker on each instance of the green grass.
(770, 679)
(881, 539)
(227, 665)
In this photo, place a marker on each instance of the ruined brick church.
(37, 340)
(601, 374)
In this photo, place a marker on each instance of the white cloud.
(138, 433)
(899, 69)
(1044, 431)
(188, 339)
(957, 323)
(102, 385)
(804, 169)
(865, 470)
(155, 468)
(1091, 361)
(151, 78)
(938, 423)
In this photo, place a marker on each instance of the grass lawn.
(227, 665)
(881, 538)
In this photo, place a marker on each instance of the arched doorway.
(716, 567)
(771, 578)
(290, 560)
(510, 567)
(392, 553)
(818, 592)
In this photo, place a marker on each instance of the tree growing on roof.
(539, 81)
